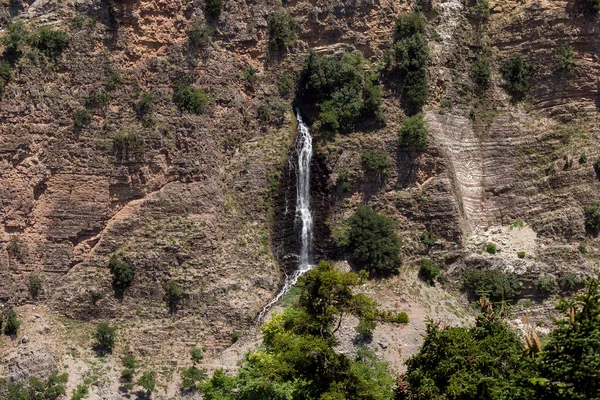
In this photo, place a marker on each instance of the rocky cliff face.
(202, 205)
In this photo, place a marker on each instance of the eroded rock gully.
(203, 206)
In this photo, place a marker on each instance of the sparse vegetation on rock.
(81, 118)
(282, 30)
(50, 41)
(5, 74)
(565, 59)
(35, 286)
(148, 382)
(199, 34)
(481, 72)
(128, 146)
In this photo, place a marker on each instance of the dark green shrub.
(97, 99)
(373, 241)
(264, 114)
(113, 77)
(213, 8)
(14, 39)
(428, 239)
(81, 118)
(494, 284)
(565, 59)
(429, 271)
(128, 146)
(594, 5)
(148, 382)
(285, 85)
(518, 74)
(521, 254)
(365, 328)
(5, 74)
(80, 392)
(413, 133)
(51, 42)
(410, 58)
(402, 318)
(282, 30)
(130, 364)
(199, 34)
(12, 323)
(376, 162)
(582, 158)
(235, 337)
(196, 354)
(250, 76)
(481, 72)
(145, 103)
(192, 377)
(546, 285)
(340, 90)
(105, 336)
(597, 167)
(480, 7)
(123, 273)
(35, 285)
(52, 389)
(592, 216)
(190, 99)
(15, 248)
(410, 24)
(173, 295)
(490, 248)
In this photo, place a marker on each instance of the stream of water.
(304, 152)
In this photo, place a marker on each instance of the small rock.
(25, 339)
(383, 345)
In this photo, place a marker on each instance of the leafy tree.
(12, 323)
(104, 337)
(376, 162)
(219, 387)
(374, 244)
(190, 99)
(518, 74)
(463, 363)
(413, 132)
(5, 74)
(410, 58)
(339, 90)
(15, 37)
(123, 273)
(148, 382)
(282, 31)
(49, 41)
(565, 59)
(52, 389)
(429, 271)
(494, 283)
(481, 72)
(173, 295)
(592, 216)
(213, 8)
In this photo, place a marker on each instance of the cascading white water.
(304, 152)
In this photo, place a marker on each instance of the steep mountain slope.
(201, 205)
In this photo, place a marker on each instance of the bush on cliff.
(340, 91)
(374, 244)
(413, 133)
(481, 72)
(12, 323)
(128, 146)
(518, 74)
(213, 8)
(494, 284)
(123, 272)
(190, 99)
(15, 37)
(50, 41)
(592, 217)
(376, 162)
(282, 31)
(5, 74)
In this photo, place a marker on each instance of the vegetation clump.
(480, 7)
(429, 271)
(495, 284)
(546, 285)
(282, 30)
(35, 286)
(481, 72)
(128, 146)
(340, 91)
(104, 337)
(145, 103)
(409, 60)
(50, 41)
(490, 248)
(592, 217)
(97, 99)
(213, 8)
(81, 118)
(14, 40)
(376, 162)
(192, 377)
(518, 74)
(565, 59)
(130, 364)
(190, 99)
(199, 34)
(374, 244)
(413, 133)
(5, 74)
(173, 295)
(148, 382)
(12, 323)
(123, 272)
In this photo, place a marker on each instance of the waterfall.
(304, 152)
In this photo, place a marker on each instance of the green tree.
(481, 72)
(565, 59)
(282, 30)
(51, 42)
(192, 377)
(123, 273)
(518, 74)
(148, 382)
(12, 323)
(35, 286)
(376, 162)
(51, 389)
(130, 364)
(190, 99)
(429, 271)
(374, 243)
(413, 133)
(495, 284)
(14, 40)
(173, 295)
(463, 363)
(105, 336)
(592, 216)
